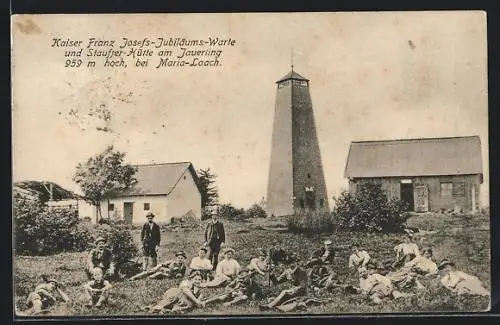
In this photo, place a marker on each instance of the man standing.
(215, 237)
(150, 238)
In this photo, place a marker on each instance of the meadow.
(464, 239)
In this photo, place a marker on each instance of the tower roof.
(292, 75)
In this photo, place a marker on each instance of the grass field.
(463, 239)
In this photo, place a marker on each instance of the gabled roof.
(292, 75)
(158, 179)
(415, 157)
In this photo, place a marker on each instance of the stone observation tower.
(296, 180)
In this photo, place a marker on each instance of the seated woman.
(295, 274)
(201, 264)
(358, 258)
(261, 264)
(170, 269)
(100, 257)
(226, 270)
(180, 299)
(44, 296)
(240, 289)
(460, 282)
(97, 290)
(406, 251)
(406, 277)
(376, 287)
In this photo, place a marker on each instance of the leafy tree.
(208, 189)
(101, 176)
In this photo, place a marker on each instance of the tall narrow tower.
(296, 179)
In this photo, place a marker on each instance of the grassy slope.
(464, 239)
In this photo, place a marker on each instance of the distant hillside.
(43, 188)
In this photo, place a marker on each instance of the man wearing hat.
(227, 269)
(324, 255)
(45, 296)
(100, 257)
(215, 237)
(277, 254)
(240, 289)
(150, 238)
(171, 269)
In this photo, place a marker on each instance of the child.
(358, 258)
(294, 274)
(227, 270)
(180, 299)
(170, 269)
(406, 251)
(97, 290)
(44, 296)
(201, 264)
(459, 282)
(240, 289)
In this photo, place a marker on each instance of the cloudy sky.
(373, 76)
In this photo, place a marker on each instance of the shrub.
(310, 222)
(255, 211)
(119, 240)
(369, 210)
(42, 231)
(228, 211)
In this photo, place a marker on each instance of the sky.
(373, 76)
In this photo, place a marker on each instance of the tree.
(102, 176)
(209, 191)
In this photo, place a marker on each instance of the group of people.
(375, 280)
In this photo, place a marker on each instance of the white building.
(167, 190)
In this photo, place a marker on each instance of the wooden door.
(421, 198)
(128, 212)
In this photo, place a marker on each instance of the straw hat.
(444, 263)
(227, 250)
(100, 239)
(150, 215)
(180, 253)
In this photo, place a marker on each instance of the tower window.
(321, 202)
(308, 175)
(302, 203)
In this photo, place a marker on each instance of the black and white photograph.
(250, 164)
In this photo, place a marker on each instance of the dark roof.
(158, 179)
(415, 157)
(42, 188)
(292, 75)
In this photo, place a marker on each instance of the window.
(406, 181)
(321, 202)
(458, 189)
(184, 177)
(111, 207)
(302, 203)
(446, 190)
(147, 206)
(308, 175)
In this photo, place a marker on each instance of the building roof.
(158, 179)
(415, 157)
(292, 75)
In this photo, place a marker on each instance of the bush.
(228, 211)
(310, 222)
(42, 231)
(118, 239)
(369, 210)
(255, 211)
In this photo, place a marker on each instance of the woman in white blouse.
(405, 251)
(460, 282)
(358, 258)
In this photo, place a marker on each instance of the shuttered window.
(446, 190)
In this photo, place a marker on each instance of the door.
(407, 195)
(421, 198)
(128, 212)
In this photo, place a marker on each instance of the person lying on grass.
(405, 252)
(201, 264)
(180, 299)
(407, 276)
(297, 276)
(44, 297)
(100, 257)
(460, 282)
(226, 270)
(171, 269)
(97, 290)
(376, 287)
(240, 289)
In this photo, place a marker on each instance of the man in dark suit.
(324, 255)
(215, 237)
(150, 238)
